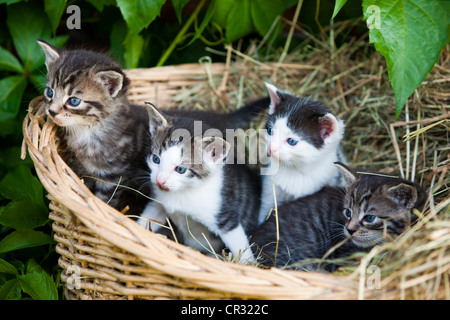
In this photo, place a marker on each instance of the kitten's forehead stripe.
(96, 104)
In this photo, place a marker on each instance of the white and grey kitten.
(190, 179)
(302, 139)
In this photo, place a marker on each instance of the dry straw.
(106, 255)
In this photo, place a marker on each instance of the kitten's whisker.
(121, 186)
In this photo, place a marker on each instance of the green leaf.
(20, 184)
(11, 91)
(6, 267)
(178, 6)
(54, 10)
(26, 24)
(264, 13)
(11, 290)
(24, 239)
(138, 14)
(337, 7)
(239, 21)
(8, 62)
(23, 215)
(410, 35)
(100, 4)
(133, 45)
(223, 8)
(39, 285)
(37, 282)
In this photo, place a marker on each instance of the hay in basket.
(106, 255)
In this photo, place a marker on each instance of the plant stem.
(180, 34)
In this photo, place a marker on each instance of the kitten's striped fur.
(102, 133)
(310, 226)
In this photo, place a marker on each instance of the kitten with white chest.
(371, 209)
(102, 133)
(190, 179)
(303, 141)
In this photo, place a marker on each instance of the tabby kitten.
(102, 133)
(372, 208)
(190, 179)
(302, 140)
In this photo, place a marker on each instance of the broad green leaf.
(11, 290)
(138, 14)
(26, 24)
(23, 215)
(337, 7)
(24, 239)
(32, 266)
(8, 2)
(39, 285)
(264, 13)
(133, 44)
(239, 21)
(8, 62)
(54, 10)
(410, 35)
(178, 6)
(223, 8)
(20, 184)
(11, 91)
(100, 4)
(6, 267)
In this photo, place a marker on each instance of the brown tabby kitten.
(372, 208)
(103, 134)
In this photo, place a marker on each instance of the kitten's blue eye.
(369, 218)
(74, 102)
(292, 142)
(49, 93)
(270, 131)
(348, 213)
(180, 170)
(156, 159)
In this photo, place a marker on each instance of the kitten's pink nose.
(161, 182)
(274, 151)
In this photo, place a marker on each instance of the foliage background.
(146, 33)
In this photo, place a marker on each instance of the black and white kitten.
(303, 141)
(103, 134)
(190, 179)
(372, 208)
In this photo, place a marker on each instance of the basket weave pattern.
(105, 255)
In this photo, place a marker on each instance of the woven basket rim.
(159, 253)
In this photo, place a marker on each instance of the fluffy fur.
(190, 179)
(102, 133)
(302, 139)
(370, 210)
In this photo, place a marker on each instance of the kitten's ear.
(51, 54)
(275, 99)
(214, 149)
(403, 194)
(329, 125)
(112, 81)
(155, 118)
(348, 173)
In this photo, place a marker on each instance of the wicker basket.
(106, 255)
